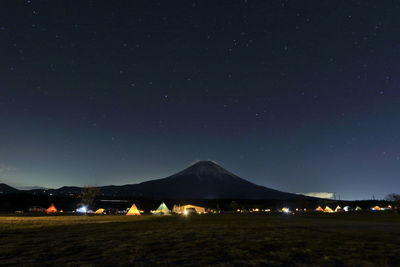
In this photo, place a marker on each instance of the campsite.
(365, 238)
(103, 226)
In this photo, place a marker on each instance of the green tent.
(358, 208)
(162, 210)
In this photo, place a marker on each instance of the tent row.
(348, 208)
(188, 209)
(162, 210)
(337, 209)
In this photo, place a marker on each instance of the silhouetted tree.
(393, 197)
(89, 194)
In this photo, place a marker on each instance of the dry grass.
(226, 239)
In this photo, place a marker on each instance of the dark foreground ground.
(362, 239)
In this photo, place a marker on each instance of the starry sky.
(300, 96)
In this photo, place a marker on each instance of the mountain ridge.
(201, 180)
(6, 189)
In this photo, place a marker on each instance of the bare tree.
(393, 197)
(89, 194)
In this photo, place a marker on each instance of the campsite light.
(286, 210)
(376, 208)
(82, 209)
(185, 212)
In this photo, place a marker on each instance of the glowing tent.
(82, 210)
(181, 209)
(319, 209)
(133, 210)
(358, 208)
(99, 211)
(162, 210)
(338, 208)
(376, 208)
(285, 210)
(51, 209)
(328, 210)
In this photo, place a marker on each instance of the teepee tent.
(328, 210)
(358, 208)
(319, 209)
(338, 208)
(162, 210)
(99, 211)
(51, 209)
(133, 210)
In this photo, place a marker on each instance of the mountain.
(6, 189)
(202, 180)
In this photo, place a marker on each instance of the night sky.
(300, 96)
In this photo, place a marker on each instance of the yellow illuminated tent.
(99, 211)
(376, 208)
(133, 210)
(319, 209)
(181, 209)
(338, 208)
(328, 210)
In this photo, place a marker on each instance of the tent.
(358, 208)
(162, 210)
(319, 209)
(51, 209)
(181, 209)
(133, 210)
(99, 211)
(328, 210)
(82, 209)
(285, 210)
(338, 208)
(376, 208)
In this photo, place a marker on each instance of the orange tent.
(51, 209)
(376, 208)
(319, 209)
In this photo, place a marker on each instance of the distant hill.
(202, 180)
(65, 190)
(6, 189)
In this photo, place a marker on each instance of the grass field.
(367, 239)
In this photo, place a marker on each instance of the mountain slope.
(6, 189)
(202, 180)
